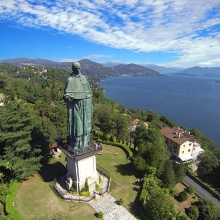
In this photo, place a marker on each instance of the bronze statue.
(78, 96)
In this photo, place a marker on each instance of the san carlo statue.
(78, 96)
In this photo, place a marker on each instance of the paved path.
(112, 211)
(200, 191)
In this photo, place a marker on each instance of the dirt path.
(182, 206)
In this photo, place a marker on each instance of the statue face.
(75, 70)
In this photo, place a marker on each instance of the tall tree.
(103, 117)
(121, 128)
(160, 207)
(179, 170)
(168, 176)
(208, 161)
(140, 136)
(208, 210)
(16, 129)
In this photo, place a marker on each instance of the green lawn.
(114, 160)
(35, 197)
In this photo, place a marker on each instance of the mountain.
(201, 71)
(93, 70)
(27, 61)
(162, 69)
(134, 70)
(110, 63)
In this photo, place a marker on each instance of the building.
(182, 145)
(135, 123)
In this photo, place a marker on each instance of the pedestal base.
(81, 167)
(82, 171)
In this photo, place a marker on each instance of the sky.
(171, 33)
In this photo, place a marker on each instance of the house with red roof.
(182, 145)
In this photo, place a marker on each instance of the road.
(200, 191)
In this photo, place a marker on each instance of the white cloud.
(184, 27)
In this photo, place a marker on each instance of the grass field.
(122, 174)
(35, 197)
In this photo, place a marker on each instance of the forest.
(34, 116)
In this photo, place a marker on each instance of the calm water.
(190, 101)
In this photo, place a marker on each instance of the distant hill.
(93, 70)
(110, 63)
(135, 70)
(201, 71)
(27, 61)
(162, 69)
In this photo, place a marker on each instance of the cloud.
(185, 27)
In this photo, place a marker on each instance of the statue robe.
(78, 96)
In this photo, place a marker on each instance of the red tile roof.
(177, 135)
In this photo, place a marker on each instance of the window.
(190, 144)
(189, 150)
(184, 145)
(183, 152)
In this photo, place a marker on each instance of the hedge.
(126, 149)
(10, 209)
(143, 196)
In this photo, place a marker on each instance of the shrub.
(97, 187)
(73, 190)
(100, 180)
(120, 202)
(85, 193)
(85, 188)
(193, 212)
(173, 192)
(143, 196)
(111, 139)
(181, 217)
(100, 214)
(3, 192)
(190, 190)
(183, 196)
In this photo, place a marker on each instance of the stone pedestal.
(81, 167)
(82, 170)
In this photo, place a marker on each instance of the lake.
(193, 102)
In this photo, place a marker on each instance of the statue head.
(76, 65)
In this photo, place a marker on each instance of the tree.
(208, 210)
(190, 190)
(154, 119)
(183, 196)
(156, 154)
(3, 192)
(159, 206)
(16, 127)
(167, 121)
(168, 176)
(140, 135)
(207, 144)
(121, 127)
(179, 170)
(103, 117)
(208, 161)
(140, 164)
(193, 212)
